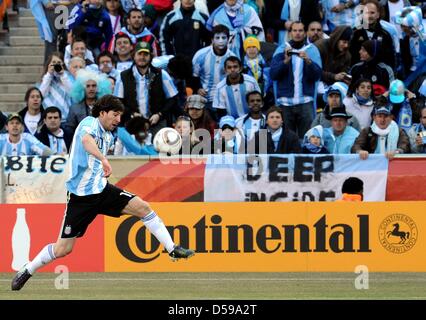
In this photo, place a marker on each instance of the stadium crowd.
(311, 76)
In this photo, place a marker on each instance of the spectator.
(106, 64)
(254, 120)
(209, 66)
(184, 30)
(340, 137)
(279, 139)
(296, 69)
(116, 14)
(16, 143)
(228, 139)
(195, 107)
(95, 19)
(315, 32)
(56, 85)
(254, 65)
(137, 31)
(78, 49)
(33, 110)
(51, 133)
(241, 20)
(155, 96)
(134, 138)
(370, 67)
(123, 50)
(360, 104)
(371, 29)
(231, 91)
(400, 98)
(417, 134)
(88, 87)
(313, 141)
(339, 13)
(150, 20)
(76, 63)
(77, 34)
(413, 44)
(382, 137)
(280, 14)
(335, 56)
(185, 127)
(333, 99)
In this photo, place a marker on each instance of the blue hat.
(337, 87)
(396, 91)
(382, 110)
(227, 120)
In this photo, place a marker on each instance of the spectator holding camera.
(295, 69)
(417, 134)
(56, 85)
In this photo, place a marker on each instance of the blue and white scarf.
(276, 137)
(387, 138)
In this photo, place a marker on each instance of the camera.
(291, 52)
(57, 67)
(347, 77)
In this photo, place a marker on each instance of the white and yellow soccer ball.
(167, 140)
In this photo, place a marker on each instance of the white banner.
(291, 177)
(35, 179)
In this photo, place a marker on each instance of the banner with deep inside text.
(35, 179)
(294, 177)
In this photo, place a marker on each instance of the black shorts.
(82, 210)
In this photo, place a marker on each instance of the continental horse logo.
(398, 233)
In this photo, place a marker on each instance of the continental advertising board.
(240, 237)
(274, 237)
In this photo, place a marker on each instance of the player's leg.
(141, 209)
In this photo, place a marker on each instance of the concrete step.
(21, 51)
(28, 32)
(13, 88)
(20, 69)
(12, 97)
(16, 41)
(26, 22)
(25, 12)
(21, 78)
(21, 60)
(9, 107)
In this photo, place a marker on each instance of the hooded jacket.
(333, 61)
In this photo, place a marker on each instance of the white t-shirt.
(31, 122)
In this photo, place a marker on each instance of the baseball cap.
(227, 120)
(337, 87)
(196, 101)
(382, 110)
(396, 91)
(143, 46)
(14, 116)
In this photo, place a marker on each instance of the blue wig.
(78, 90)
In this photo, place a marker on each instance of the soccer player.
(89, 192)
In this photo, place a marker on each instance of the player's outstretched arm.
(90, 146)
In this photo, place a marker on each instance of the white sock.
(158, 229)
(45, 256)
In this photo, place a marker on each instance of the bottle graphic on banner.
(20, 241)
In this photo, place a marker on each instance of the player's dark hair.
(252, 93)
(107, 103)
(51, 109)
(233, 59)
(220, 28)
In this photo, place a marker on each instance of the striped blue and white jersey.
(28, 145)
(210, 68)
(86, 175)
(232, 97)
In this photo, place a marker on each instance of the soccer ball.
(167, 140)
